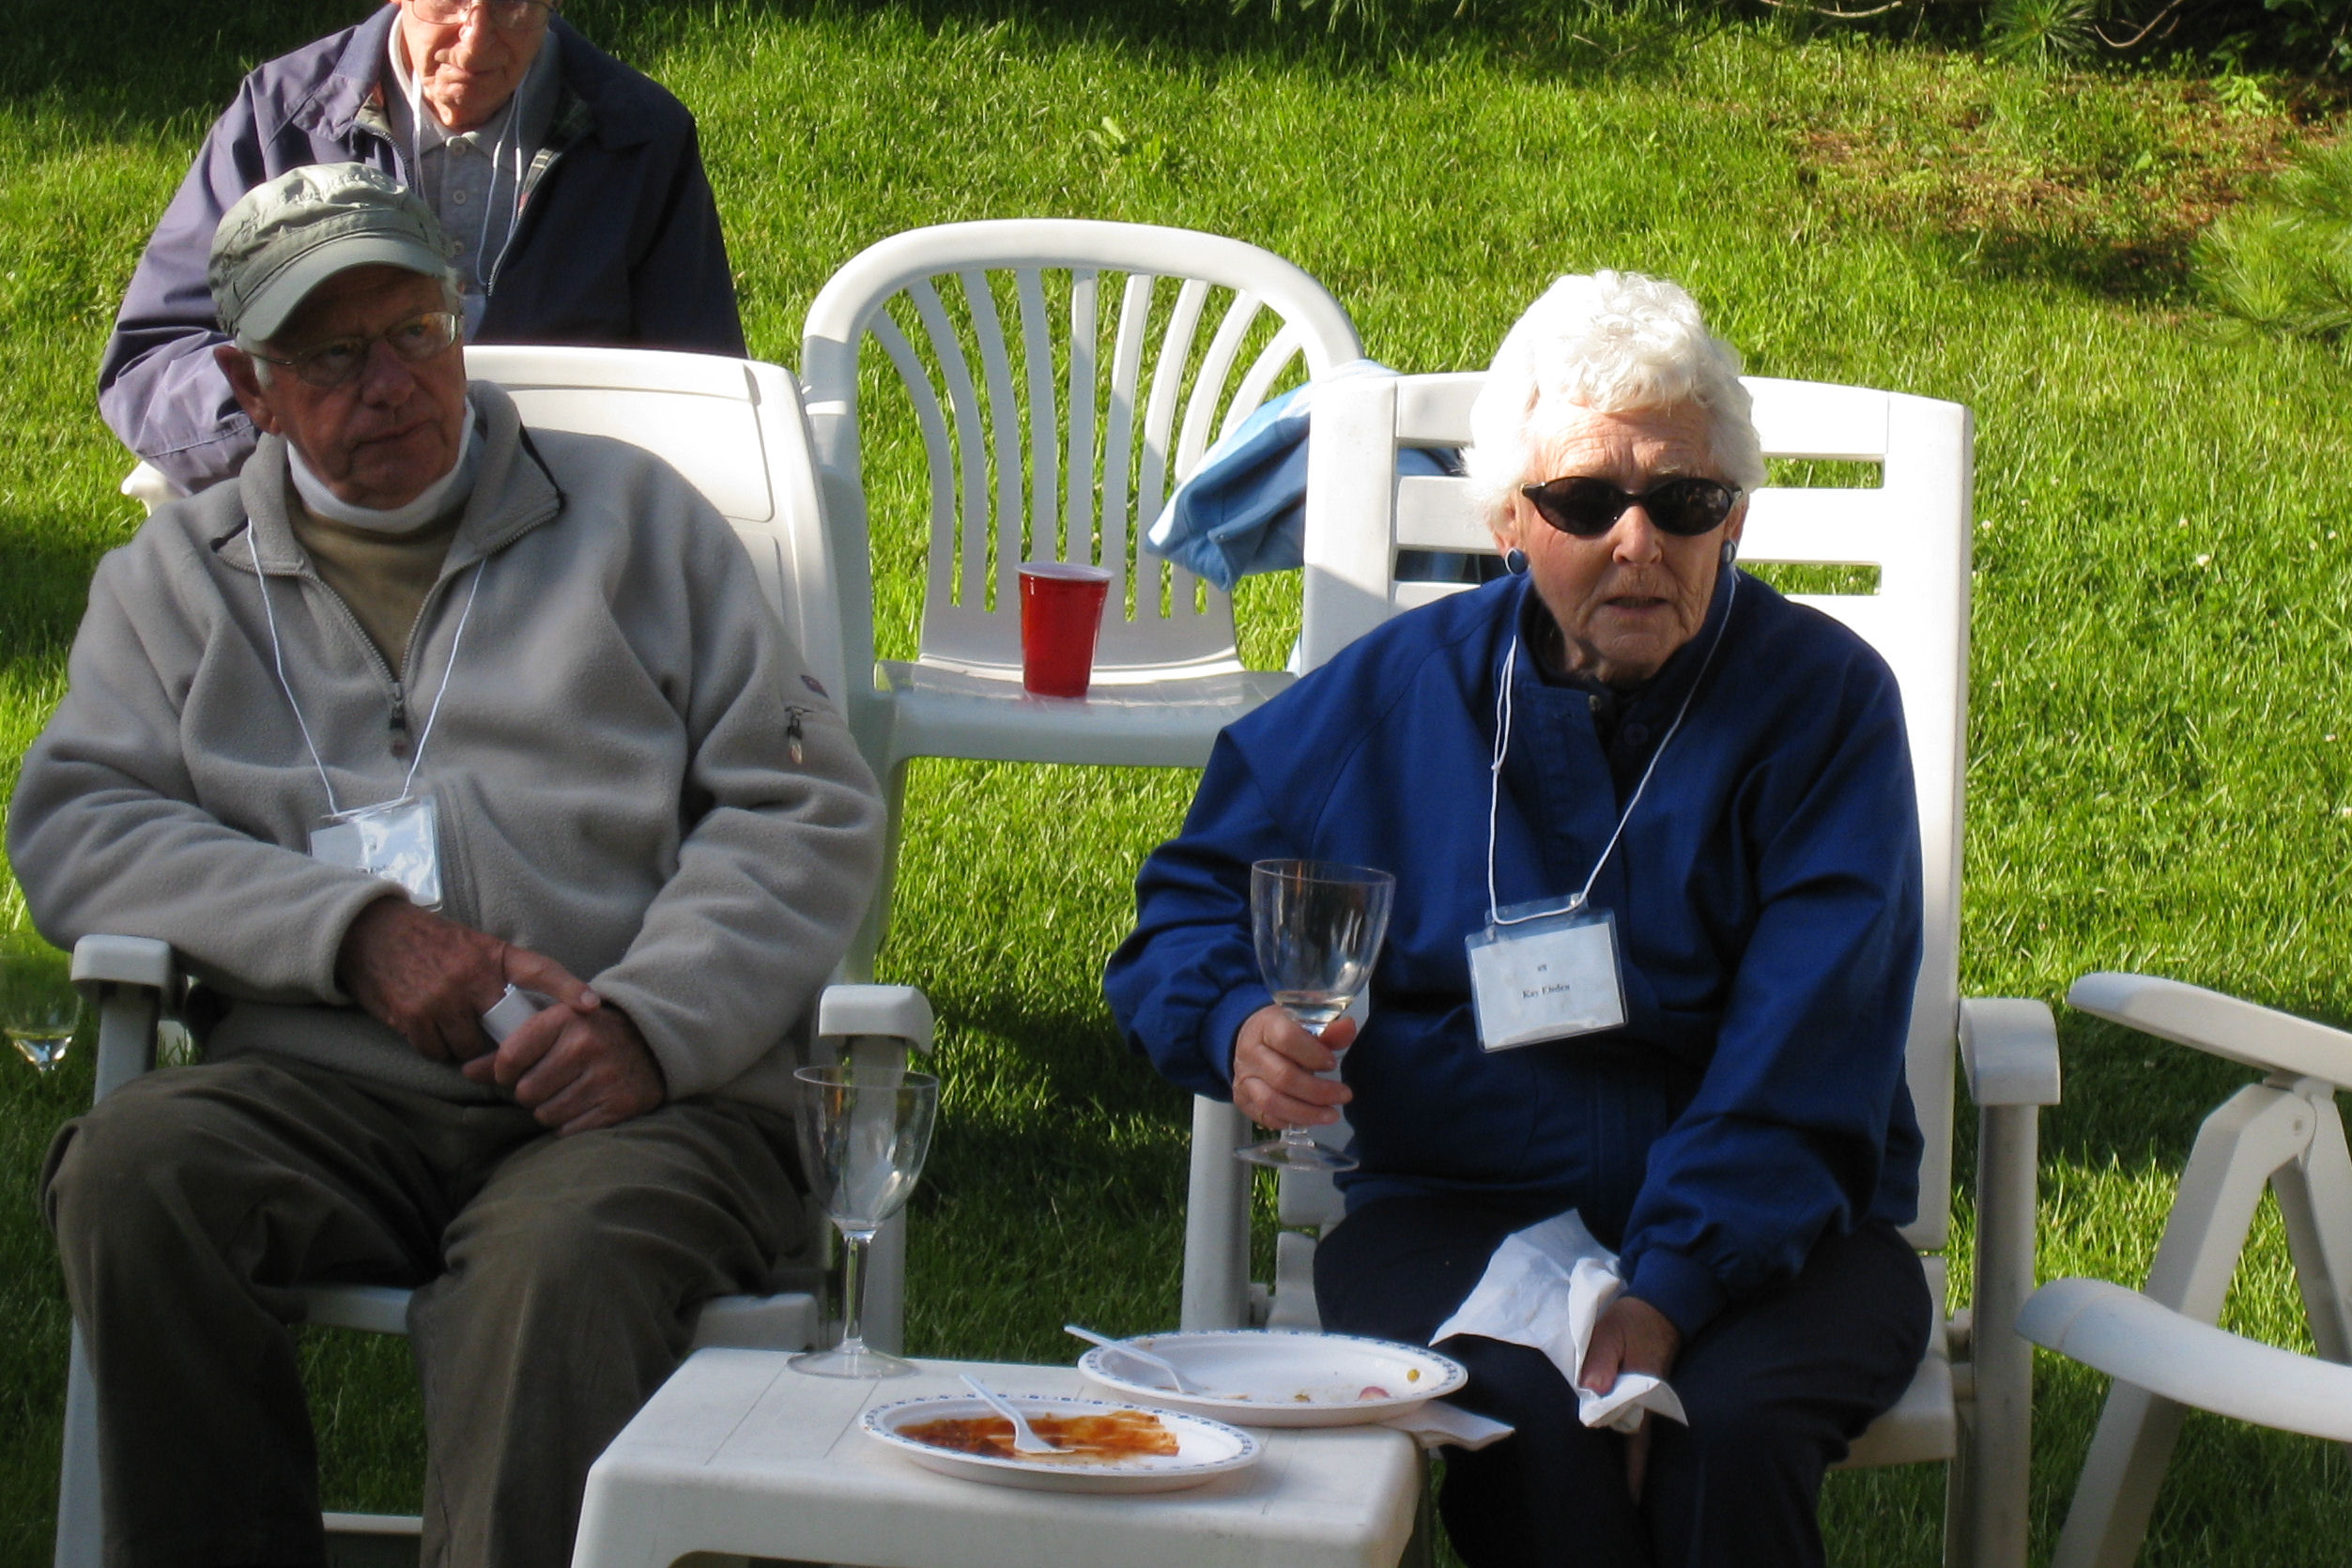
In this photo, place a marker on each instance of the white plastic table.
(739, 1454)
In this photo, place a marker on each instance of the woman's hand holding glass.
(1317, 926)
(1275, 1063)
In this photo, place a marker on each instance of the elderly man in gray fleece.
(423, 706)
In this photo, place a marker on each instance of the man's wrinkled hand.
(1631, 1336)
(1275, 1065)
(576, 1069)
(433, 980)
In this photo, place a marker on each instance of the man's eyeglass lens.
(507, 16)
(1587, 508)
(332, 364)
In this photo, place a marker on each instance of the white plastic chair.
(1970, 1402)
(1064, 376)
(2159, 1343)
(736, 429)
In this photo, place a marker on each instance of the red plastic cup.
(1061, 611)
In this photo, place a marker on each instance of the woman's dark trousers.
(1775, 1386)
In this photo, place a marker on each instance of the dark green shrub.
(2284, 262)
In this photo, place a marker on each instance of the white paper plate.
(1204, 1448)
(1271, 1377)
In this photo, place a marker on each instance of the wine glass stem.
(1300, 1137)
(853, 1289)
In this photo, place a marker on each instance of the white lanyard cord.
(449, 669)
(277, 655)
(1502, 746)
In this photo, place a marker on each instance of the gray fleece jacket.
(613, 766)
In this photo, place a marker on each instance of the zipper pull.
(792, 733)
(400, 723)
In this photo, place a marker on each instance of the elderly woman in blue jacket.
(1628, 752)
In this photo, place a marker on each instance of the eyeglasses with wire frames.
(1587, 508)
(339, 360)
(507, 16)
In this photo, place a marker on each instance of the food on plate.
(1412, 1374)
(1109, 1435)
(1374, 1390)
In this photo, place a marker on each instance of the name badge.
(1545, 978)
(398, 840)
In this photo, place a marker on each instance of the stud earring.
(1730, 550)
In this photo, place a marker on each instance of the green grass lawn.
(2161, 773)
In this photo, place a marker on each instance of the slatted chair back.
(1064, 376)
(734, 428)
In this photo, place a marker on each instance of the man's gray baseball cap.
(287, 235)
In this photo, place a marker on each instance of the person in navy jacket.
(1725, 774)
(571, 187)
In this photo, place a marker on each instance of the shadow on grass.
(46, 586)
(2137, 1100)
(2142, 271)
(69, 57)
(1075, 1049)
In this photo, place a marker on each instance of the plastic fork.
(1164, 1367)
(1025, 1439)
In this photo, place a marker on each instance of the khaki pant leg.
(571, 1286)
(187, 1207)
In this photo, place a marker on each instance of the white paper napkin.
(1438, 1425)
(1546, 1287)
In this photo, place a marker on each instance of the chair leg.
(1996, 1479)
(1960, 1537)
(2315, 1201)
(2254, 1132)
(872, 932)
(81, 1521)
(884, 1322)
(1216, 1222)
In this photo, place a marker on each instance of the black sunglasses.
(1587, 508)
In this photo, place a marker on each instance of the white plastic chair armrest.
(2220, 1026)
(2009, 1047)
(123, 960)
(2132, 1338)
(893, 1012)
(129, 979)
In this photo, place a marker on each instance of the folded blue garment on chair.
(1244, 509)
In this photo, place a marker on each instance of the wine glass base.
(1278, 1155)
(858, 1362)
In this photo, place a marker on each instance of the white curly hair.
(1612, 343)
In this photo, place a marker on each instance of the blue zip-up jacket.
(617, 244)
(1767, 904)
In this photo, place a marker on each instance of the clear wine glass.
(864, 1131)
(1317, 926)
(40, 1011)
